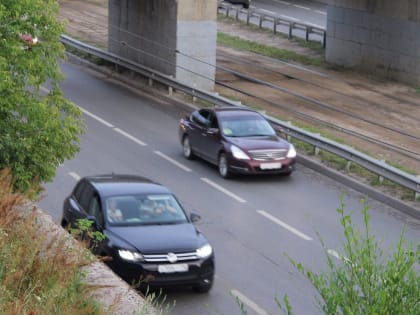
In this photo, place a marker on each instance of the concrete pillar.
(175, 37)
(376, 36)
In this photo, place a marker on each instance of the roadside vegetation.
(364, 279)
(269, 51)
(37, 275)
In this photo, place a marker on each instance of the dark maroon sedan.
(237, 140)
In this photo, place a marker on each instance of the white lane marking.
(285, 225)
(301, 7)
(223, 190)
(268, 11)
(102, 121)
(127, 135)
(289, 17)
(248, 302)
(316, 25)
(74, 175)
(171, 160)
(321, 12)
(283, 2)
(337, 255)
(334, 254)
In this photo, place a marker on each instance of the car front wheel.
(187, 148)
(223, 166)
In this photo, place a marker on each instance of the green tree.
(39, 128)
(365, 280)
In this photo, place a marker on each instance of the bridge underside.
(175, 37)
(381, 37)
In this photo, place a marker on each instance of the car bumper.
(261, 167)
(199, 272)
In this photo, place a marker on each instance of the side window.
(200, 117)
(213, 121)
(78, 190)
(95, 209)
(85, 197)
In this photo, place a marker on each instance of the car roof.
(226, 111)
(119, 184)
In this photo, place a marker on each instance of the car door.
(197, 132)
(76, 205)
(212, 143)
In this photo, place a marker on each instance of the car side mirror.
(194, 217)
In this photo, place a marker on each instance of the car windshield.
(144, 210)
(246, 127)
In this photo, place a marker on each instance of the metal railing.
(382, 169)
(276, 21)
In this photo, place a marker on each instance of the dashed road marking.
(285, 225)
(128, 136)
(248, 302)
(301, 7)
(102, 121)
(223, 190)
(74, 175)
(171, 160)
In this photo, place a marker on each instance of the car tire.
(223, 166)
(203, 287)
(186, 147)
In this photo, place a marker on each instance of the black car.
(245, 3)
(149, 238)
(237, 140)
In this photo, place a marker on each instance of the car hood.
(260, 143)
(160, 238)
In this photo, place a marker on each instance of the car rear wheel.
(187, 148)
(223, 166)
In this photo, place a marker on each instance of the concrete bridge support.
(376, 36)
(175, 37)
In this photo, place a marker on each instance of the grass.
(35, 276)
(41, 271)
(269, 51)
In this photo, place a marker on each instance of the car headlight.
(204, 251)
(129, 255)
(238, 153)
(292, 152)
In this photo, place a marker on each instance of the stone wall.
(379, 37)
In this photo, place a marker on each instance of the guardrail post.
(348, 165)
(308, 29)
(237, 14)
(275, 26)
(381, 180)
(290, 29)
(150, 81)
(227, 11)
(170, 89)
(260, 22)
(324, 39)
(193, 93)
(317, 150)
(248, 17)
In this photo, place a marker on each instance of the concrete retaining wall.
(379, 37)
(177, 38)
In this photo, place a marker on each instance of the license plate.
(170, 268)
(270, 166)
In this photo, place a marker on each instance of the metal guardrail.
(382, 169)
(276, 21)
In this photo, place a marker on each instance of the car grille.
(268, 155)
(154, 258)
